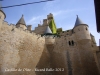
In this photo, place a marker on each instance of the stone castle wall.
(19, 49)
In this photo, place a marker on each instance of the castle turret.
(48, 31)
(49, 37)
(21, 23)
(87, 56)
(50, 17)
(81, 30)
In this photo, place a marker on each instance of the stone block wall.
(19, 51)
(23, 51)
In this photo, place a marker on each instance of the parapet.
(12, 25)
(45, 21)
(50, 16)
(39, 25)
(5, 23)
(29, 27)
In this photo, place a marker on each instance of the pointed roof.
(21, 21)
(78, 21)
(91, 35)
(48, 30)
(2, 10)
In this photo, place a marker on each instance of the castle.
(24, 51)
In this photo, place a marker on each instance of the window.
(92, 45)
(79, 29)
(69, 43)
(86, 28)
(72, 43)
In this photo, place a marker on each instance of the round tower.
(21, 23)
(81, 30)
(49, 37)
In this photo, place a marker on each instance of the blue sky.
(64, 12)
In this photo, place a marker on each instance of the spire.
(78, 21)
(48, 30)
(21, 21)
(91, 35)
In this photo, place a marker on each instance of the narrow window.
(86, 28)
(92, 45)
(69, 43)
(72, 43)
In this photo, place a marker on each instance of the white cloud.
(62, 12)
(35, 19)
(51, 5)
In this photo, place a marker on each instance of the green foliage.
(59, 30)
(53, 26)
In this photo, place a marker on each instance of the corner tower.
(81, 30)
(21, 23)
(88, 62)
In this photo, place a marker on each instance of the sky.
(64, 12)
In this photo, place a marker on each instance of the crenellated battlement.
(40, 28)
(5, 23)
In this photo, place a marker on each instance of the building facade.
(24, 51)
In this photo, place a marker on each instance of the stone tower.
(21, 23)
(83, 39)
(48, 36)
(81, 28)
(50, 17)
